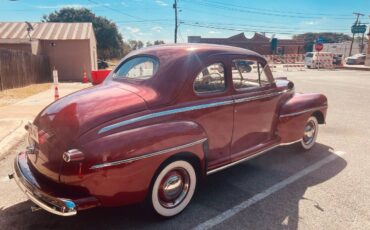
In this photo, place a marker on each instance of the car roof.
(179, 63)
(195, 48)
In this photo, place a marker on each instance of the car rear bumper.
(28, 183)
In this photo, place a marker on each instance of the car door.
(212, 91)
(255, 98)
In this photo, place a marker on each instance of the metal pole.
(353, 35)
(176, 24)
(350, 48)
(362, 43)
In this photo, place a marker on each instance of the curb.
(11, 140)
(355, 68)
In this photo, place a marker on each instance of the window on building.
(211, 79)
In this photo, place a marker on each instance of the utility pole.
(353, 34)
(176, 24)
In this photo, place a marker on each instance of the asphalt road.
(325, 188)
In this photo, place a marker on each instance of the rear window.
(139, 68)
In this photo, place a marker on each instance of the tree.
(109, 39)
(135, 44)
(148, 43)
(310, 38)
(158, 42)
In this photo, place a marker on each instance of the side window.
(211, 79)
(138, 68)
(248, 74)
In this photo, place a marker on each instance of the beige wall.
(367, 61)
(19, 46)
(93, 53)
(70, 57)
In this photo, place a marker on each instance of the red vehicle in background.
(165, 117)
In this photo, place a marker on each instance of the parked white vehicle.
(318, 59)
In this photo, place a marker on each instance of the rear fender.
(126, 161)
(295, 112)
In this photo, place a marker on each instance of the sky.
(149, 20)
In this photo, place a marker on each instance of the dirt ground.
(10, 96)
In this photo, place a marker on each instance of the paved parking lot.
(325, 188)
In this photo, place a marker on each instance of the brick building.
(258, 43)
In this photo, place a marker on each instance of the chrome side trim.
(258, 97)
(184, 109)
(303, 111)
(290, 143)
(163, 113)
(99, 166)
(240, 161)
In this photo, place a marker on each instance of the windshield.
(309, 55)
(139, 68)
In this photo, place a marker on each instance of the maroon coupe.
(165, 117)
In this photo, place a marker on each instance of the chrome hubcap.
(309, 132)
(173, 188)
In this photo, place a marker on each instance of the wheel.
(173, 188)
(310, 132)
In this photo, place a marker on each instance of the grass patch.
(10, 96)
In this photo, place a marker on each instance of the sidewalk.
(13, 117)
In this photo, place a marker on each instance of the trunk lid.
(68, 118)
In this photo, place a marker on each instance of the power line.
(235, 9)
(114, 9)
(280, 26)
(260, 26)
(222, 27)
(228, 28)
(282, 11)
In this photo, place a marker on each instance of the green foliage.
(309, 38)
(109, 39)
(134, 45)
(158, 42)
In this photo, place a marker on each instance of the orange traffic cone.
(85, 79)
(56, 93)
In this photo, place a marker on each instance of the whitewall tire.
(173, 188)
(310, 132)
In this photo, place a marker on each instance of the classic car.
(165, 118)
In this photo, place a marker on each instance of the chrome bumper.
(58, 206)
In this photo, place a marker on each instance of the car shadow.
(220, 192)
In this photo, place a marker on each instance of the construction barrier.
(294, 67)
(98, 76)
(285, 59)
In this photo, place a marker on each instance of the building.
(258, 43)
(367, 61)
(343, 48)
(70, 47)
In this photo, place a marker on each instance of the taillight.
(73, 155)
(43, 136)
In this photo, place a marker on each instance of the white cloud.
(133, 30)
(161, 3)
(124, 4)
(157, 28)
(214, 32)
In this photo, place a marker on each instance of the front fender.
(119, 167)
(295, 112)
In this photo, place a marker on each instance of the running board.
(241, 160)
